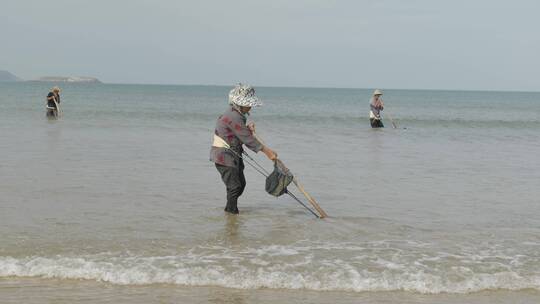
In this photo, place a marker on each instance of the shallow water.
(120, 191)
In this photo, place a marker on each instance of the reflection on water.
(375, 148)
(231, 230)
(54, 135)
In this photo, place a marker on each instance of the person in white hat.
(377, 105)
(230, 134)
(53, 101)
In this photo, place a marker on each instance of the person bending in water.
(376, 104)
(230, 134)
(53, 99)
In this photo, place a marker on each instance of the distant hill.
(6, 76)
(68, 79)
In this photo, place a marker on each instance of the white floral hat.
(243, 95)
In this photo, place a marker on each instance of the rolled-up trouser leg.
(235, 182)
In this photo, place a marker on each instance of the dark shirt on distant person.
(50, 103)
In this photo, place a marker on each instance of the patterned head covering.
(244, 96)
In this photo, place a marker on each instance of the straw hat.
(377, 92)
(244, 96)
(55, 89)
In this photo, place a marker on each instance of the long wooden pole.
(58, 111)
(310, 198)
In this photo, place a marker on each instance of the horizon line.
(325, 87)
(281, 86)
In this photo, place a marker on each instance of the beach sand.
(33, 290)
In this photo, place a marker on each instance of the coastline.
(37, 290)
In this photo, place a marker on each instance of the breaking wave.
(292, 268)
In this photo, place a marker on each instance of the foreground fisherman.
(53, 101)
(376, 104)
(230, 134)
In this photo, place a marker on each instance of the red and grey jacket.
(231, 128)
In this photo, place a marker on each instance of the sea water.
(119, 192)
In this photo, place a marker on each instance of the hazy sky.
(453, 44)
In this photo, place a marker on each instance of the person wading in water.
(230, 134)
(53, 99)
(376, 104)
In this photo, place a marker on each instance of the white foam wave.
(327, 275)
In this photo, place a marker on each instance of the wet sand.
(33, 290)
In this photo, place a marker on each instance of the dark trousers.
(51, 113)
(235, 182)
(376, 123)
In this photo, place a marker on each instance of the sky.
(401, 44)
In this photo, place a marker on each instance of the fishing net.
(279, 179)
